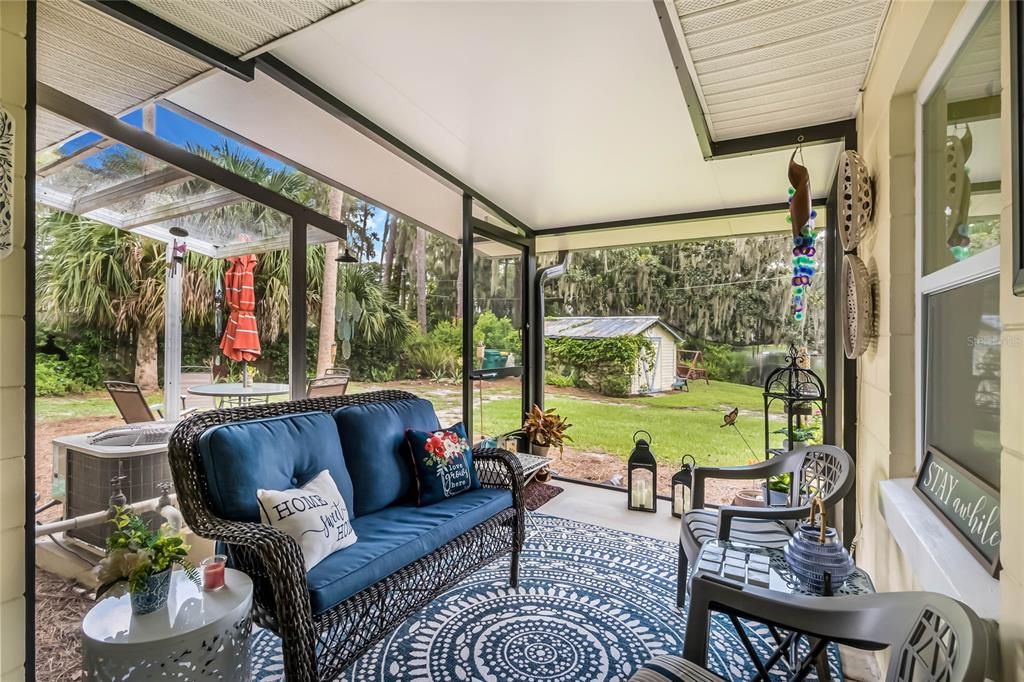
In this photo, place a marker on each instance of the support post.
(297, 303)
(531, 388)
(467, 313)
(172, 335)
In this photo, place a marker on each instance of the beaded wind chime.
(801, 218)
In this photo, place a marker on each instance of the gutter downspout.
(543, 275)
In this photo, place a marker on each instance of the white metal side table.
(198, 636)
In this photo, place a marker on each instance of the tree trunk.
(329, 292)
(420, 257)
(390, 233)
(145, 358)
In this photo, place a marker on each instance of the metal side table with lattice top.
(198, 636)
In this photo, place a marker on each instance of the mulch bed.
(60, 607)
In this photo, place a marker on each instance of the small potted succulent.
(546, 430)
(145, 558)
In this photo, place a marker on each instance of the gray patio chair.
(931, 638)
(321, 387)
(823, 470)
(337, 372)
(131, 402)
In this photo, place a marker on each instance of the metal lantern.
(682, 487)
(642, 475)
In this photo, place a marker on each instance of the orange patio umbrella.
(241, 342)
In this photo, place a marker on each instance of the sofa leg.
(681, 578)
(513, 578)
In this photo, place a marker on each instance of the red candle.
(213, 572)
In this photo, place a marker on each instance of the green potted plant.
(546, 430)
(144, 557)
(799, 436)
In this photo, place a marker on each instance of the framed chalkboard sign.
(965, 503)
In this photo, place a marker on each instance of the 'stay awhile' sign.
(967, 505)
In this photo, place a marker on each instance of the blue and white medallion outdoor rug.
(593, 605)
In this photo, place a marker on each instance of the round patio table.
(197, 636)
(238, 393)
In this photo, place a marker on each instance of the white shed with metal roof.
(648, 377)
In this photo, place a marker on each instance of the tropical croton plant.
(546, 429)
(135, 552)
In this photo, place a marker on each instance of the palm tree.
(94, 275)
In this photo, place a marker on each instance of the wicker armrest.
(497, 468)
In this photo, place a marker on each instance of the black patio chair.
(816, 470)
(931, 638)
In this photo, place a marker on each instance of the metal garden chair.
(823, 470)
(931, 638)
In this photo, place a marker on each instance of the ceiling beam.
(310, 91)
(669, 21)
(165, 31)
(110, 126)
(181, 208)
(74, 157)
(122, 191)
(821, 133)
(673, 218)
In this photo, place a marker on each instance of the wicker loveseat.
(405, 556)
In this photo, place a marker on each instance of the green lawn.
(679, 423)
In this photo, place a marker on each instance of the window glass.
(962, 381)
(963, 149)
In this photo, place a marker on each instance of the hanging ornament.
(958, 194)
(801, 218)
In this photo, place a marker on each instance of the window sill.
(938, 559)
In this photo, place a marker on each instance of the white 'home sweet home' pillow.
(314, 515)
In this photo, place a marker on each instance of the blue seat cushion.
(277, 453)
(376, 453)
(395, 537)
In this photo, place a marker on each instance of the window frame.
(978, 267)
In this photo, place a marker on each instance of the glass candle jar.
(213, 572)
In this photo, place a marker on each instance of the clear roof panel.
(133, 191)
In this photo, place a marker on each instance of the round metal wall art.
(856, 199)
(859, 313)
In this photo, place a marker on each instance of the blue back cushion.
(376, 454)
(277, 453)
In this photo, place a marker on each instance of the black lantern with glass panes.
(642, 475)
(802, 394)
(682, 487)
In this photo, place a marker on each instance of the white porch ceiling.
(763, 66)
(561, 112)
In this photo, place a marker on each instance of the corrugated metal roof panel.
(598, 327)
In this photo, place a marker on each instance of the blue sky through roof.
(185, 132)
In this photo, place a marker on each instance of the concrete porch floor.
(607, 508)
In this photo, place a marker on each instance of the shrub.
(432, 358)
(606, 365)
(723, 363)
(615, 385)
(557, 379)
(497, 332)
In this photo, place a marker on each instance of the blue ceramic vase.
(154, 595)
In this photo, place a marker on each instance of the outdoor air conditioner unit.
(82, 474)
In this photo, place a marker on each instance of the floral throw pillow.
(443, 462)
(314, 515)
